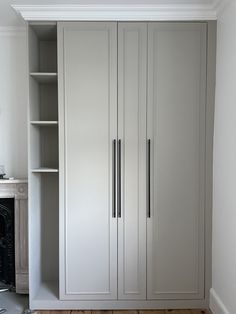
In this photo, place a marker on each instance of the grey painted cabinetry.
(132, 76)
(89, 231)
(135, 129)
(176, 128)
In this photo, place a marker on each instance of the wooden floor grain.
(129, 312)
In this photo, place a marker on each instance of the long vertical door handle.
(114, 179)
(149, 178)
(119, 178)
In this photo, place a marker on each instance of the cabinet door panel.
(132, 61)
(176, 128)
(88, 123)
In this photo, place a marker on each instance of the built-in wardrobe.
(120, 164)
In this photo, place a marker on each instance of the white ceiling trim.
(168, 12)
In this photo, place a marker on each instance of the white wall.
(223, 294)
(13, 103)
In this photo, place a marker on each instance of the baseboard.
(216, 305)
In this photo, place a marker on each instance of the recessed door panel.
(132, 68)
(176, 129)
(89, 250)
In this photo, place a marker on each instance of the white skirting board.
(216, 305)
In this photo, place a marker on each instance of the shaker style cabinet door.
(132, 67)
(176, 129)
(88, 126)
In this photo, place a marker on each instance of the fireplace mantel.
(18, 189)
(14, 188)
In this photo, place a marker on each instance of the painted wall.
(13, 103)
(223, 294)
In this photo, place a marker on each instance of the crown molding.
(167, 12)
(12, 31)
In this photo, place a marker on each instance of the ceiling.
(8, 17)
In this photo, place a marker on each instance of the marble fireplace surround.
(18, 189)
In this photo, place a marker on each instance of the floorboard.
(129, 312)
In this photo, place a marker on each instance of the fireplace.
(13, 235)
(7, 242)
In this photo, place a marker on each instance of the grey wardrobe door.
(176, 129)
(88, 126)
(132, 67)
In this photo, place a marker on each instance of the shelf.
(44, 170)
(44, 123)
(47, 296)
(44, 77)
(48, 290)
(13, 181)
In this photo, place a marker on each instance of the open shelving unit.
(43, 158)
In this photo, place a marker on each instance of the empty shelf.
(44, 77)
(44, 123)
(44, 169)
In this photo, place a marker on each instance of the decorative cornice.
(167, 12)
(12, 31)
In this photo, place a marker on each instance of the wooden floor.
(129, 312)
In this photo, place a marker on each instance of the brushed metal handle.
(149, 178)
(119, 179)
(114, 179)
